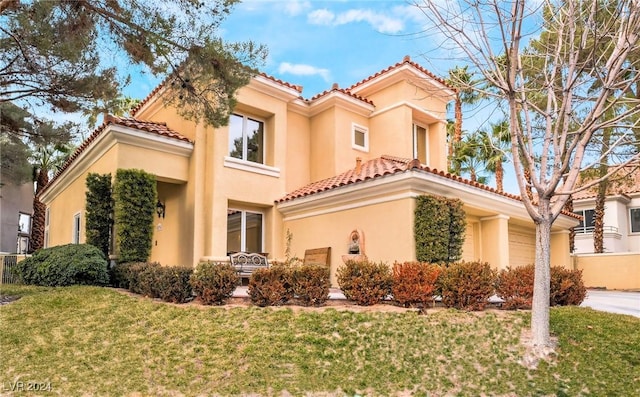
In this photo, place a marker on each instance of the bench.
(246, 263)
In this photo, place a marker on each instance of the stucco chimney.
(335, 86)
(358, 165)
(107, 118)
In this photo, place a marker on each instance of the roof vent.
(335, 86)
(406, 58)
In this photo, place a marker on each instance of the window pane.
(359, 138)
(420, 144)
(234, 219)
(634, 214)
(255, 141)
(235, 136)
(76, 229)
(254, 232)
(24, 223)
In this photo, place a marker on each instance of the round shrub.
(147, 279)
(515, 287)
(173, 284)
(65, 265)
(364, 282)
(213, 283)
(271, 286)
(466, 285)
(311, 284)
(567, 287)
(414, 283)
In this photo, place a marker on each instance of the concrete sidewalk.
(241, 292)
(620, 302)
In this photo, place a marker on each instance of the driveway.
(620, 302)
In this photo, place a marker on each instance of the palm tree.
(495, 146)
(462, 81)
(469, 158)
(46, 158)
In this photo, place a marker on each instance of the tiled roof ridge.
(123, 121)
(282, 82)
(405, 61)
(345, 91)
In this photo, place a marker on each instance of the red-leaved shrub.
(466, 285)
(311, 284)
(271, 286)
(414, 283)
(567, 287)
(213, 283)
(173, 284)
(364, 282)
(514, 285)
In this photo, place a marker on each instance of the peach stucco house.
(347, 159)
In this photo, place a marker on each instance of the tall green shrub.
(99, 211)
(439, 229)
(135, 201)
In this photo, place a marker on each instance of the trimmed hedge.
(515, 287)
(173, 284)
(567, 287)
(439, 229)
(64, 265)
(271, 286)
(467, 285)
(213, 283)
(99, 211)
(414, 283)
(310, 284)
(364, 282)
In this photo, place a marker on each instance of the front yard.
(98, 342)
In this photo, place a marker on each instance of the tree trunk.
(568, 206)
(499, 176)
(457, 136)
(527, 178)
(472, 173)
(540, 306)
(598, 218)
(39, 210)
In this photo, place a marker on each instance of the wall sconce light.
(160, 208)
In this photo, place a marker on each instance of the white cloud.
(296, 7)
(381, 22)
(321, 17)
(304, 70)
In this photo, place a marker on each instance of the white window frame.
(47, 217)
(426, 142)
(243, 228)
(584, 229)
(631, 221)
(244, 139)
(77, 228)
(365, 131)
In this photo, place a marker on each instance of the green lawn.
(97, 342)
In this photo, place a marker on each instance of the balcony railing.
(589, 229)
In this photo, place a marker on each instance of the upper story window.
(47, 215)
(586, 224)
(634, 219)
(246, 139)
(360, 138)
(420, 144)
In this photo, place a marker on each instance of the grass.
(97, 342)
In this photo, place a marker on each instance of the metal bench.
(246, 263)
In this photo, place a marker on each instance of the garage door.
(522, 248)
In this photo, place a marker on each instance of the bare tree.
(558, 92)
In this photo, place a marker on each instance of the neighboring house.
(16, 207)
(621, 214)
(317, 168)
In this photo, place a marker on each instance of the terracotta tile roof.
(379, 167)
(406, 61)
(388, 165)
(147, 126)
(624, 182)
(335, 88)
(284, 83)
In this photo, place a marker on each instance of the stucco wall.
(611, 271)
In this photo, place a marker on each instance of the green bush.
(148, 279)
(65, 265)
(414, 283)
(466, 285)
(135, 203)
(311, 284)
(515, 287)
(99, 211)
(136, 277)
(364, 282)
(567, 287)
(173, 284)
(271, 286)
(439, 229)
(213, 283)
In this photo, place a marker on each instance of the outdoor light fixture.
(160, 207)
